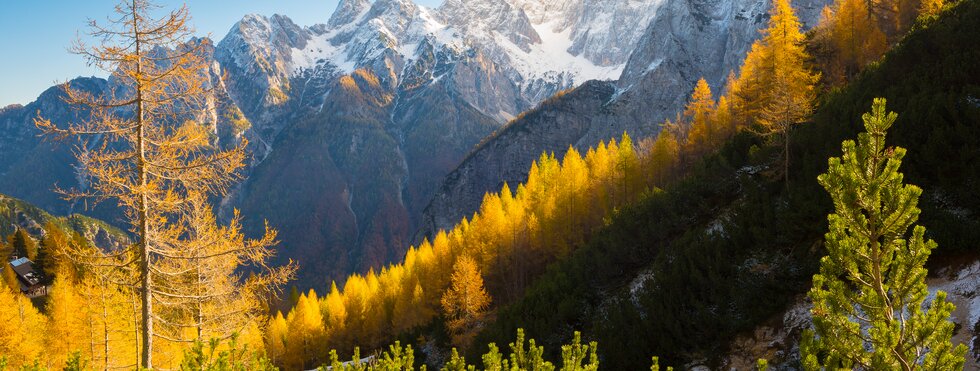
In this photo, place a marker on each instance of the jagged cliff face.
(552, 49)
(685, 40)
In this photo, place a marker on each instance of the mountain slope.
(432, 84)
(507, 155)
(16, 214)
(29, 166)
(388, 97)
(368, 112)
(685, 272)
(686, 40)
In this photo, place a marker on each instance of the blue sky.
(36, 34)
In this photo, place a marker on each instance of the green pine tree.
(23, 245)
(293, 296)
(578, 356)
(656, 365)
(49, 252)
(218, 355)
(868, 297)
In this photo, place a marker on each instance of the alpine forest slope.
(731, 247)
(728, 194)
(490, 258)
(30, 232)
(678, 227)
(487, 259)
(353, 123)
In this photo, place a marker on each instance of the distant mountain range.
(391, 120)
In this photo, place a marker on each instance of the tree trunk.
(786, 156)
(146, 284)
(199, 304)
(136, 327)
(105, 327)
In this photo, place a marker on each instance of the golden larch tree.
(149, 156)
(749, 90)
(304, 341)
(334, 311)
(112, 319)
(10, 281)
(722, 121)
(786, 87)
(70, 329)
(221, 300)
(822, 48)
(21, 339)
(856, 37)
(465, 302)
(662, 158)
(574, 177)
(276, 332)
(700, 108)
(931, 7)
(628, 166)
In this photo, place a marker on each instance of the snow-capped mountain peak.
(348, 11)
(604, 32)
(541, 45)
(480, 19)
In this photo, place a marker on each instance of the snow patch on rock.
(962, 287)
(551, 56)
(319, 50)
